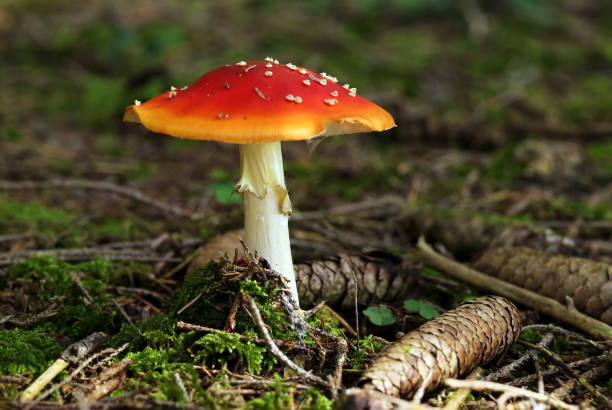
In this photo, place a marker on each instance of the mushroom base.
(267, 207)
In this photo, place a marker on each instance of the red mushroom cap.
(260, 101)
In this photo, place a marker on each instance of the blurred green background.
(488, 80)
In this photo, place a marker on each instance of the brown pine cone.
(451, 345)
(380, 278)
(587, 282)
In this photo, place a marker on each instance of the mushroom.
(258, 104)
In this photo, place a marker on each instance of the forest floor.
(504, 139)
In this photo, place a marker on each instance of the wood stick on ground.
(515, 391)
(506, 371)
(566, 387)
(535, 301)
(276, 351)
(460, 395)
(568, 371)
(589, 362)
(102, 186)
(75, 372)
(72, 354)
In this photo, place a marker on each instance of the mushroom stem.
(267, 207)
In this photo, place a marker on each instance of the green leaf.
(428, 312)
(425, 310)
(224, 192)
(380, 315)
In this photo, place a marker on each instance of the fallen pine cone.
(587, 282)
(379, 278)
(451, 345)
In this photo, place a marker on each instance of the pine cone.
(451, 345)
(587, 282)
(379, 278)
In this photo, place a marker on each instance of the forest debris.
(509, 392)
(103, 384)
(79, 369)
(566, 387)
(466, 235)
(73, 354)
(568, 371)
(380, 277)
(588, 362)
(226, 244)
(587, 283)
(33, 318)
(506, 371)
(374, 277)
(252, 306)
(453, 344)
(526, 297)
(102, 186)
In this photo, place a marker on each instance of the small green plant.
(370, 344)
(380, 315)
(425, 310)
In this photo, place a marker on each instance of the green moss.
(601, 153)
(218, 349)
(569, 209)
(34, 216)
(62, 228)
(324, 320)
(26, 351)
(48, 280)
(367, 347)
(153, 370)
(211, 294)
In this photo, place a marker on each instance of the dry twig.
(514, 391)
(276, 351)
(519, 295)
(102, 186)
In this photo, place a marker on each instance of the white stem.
(267, 207)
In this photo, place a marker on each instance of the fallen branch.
(573, 365)
(276, 351)
(74, 353)
(506, 371)
(568, 371)
(460, 395)
(514, 392)
(75, 372)
(541, 303)
(103, 186)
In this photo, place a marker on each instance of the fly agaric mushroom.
(258, 104)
